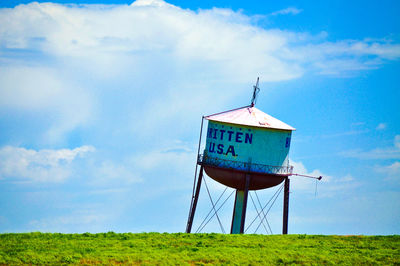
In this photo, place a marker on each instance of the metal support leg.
(286, 206)
(194, 205)
(239, 210)
(246, 194)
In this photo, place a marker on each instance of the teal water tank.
(247, 141)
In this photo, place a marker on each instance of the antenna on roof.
(255, 92)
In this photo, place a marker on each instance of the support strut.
(194, 205)
(239, 210)
(286, 206)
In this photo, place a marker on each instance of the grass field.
(196, 249)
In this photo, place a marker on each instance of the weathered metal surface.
(247, 140)
(249, 116)
(243, 166)
(236, 178)
(247, 144)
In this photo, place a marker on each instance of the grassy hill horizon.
(196, 249)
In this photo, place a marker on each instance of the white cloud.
(378, 153)
(329, 186)
(81, 220)
(106, 34)
(22, 83)
(74, 60)
(397, 141)
(169, 167)
(286, 11)
(156, 3)
(39, 166)
(176, 154)
(358, 124)
(346, 133)
(51, 165)
(303, 183)
(392, 171)
(75, 64)
(381, 126)
(37, 89)
(111, 174)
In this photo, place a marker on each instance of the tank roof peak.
(249, 116)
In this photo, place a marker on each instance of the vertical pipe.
(237, 212)
(239, 208)
(194, 205)
(286, 206)
(246, 193)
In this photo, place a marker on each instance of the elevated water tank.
(247, 141)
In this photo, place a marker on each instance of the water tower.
(246, 149)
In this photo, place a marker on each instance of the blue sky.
(100, 109)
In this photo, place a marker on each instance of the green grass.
(196, 249)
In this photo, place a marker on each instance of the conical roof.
(249, 116)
